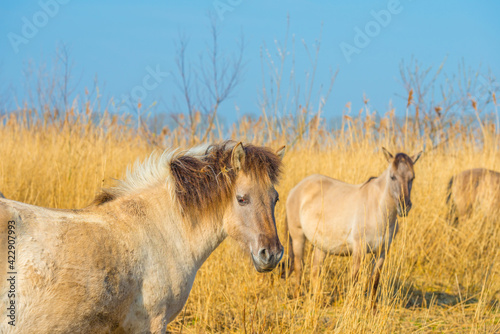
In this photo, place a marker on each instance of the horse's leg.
(298, 241)
(357, 258)
(377, 269)
(159, 324)
(319, 257)
(286, 272)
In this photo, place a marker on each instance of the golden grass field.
(438, 278)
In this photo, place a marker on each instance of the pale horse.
(127, 262)
(345, 219)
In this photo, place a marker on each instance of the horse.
(126, 263)
(345, 219)
(473, 191)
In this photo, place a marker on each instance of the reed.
(437, 278)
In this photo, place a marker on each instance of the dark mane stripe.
(207, 182)
(106, 195)
(199, 183)
(368, 181)
(262, 163)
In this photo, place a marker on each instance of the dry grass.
(437, 278)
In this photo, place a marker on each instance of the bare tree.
(50, 88)
(205, 85)
(64, 69)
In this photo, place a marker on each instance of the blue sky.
(122, 41)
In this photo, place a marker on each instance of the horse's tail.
(448, 191)
(1, 195)
(286, 267)
(450, 205)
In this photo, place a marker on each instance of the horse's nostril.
(264, 255)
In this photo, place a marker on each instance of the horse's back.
(70, 270)
(316, 189)
(320, 185)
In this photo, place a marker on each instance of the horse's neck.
(194, 238)
(200, 235)
(387, 206)
(204, 235)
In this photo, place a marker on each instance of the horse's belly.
(339, 237)
(327, 229)
(330, 240)
(339, 249)
(346, 246)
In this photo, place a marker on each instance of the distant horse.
(344, 219)
(473, 190)
(127, 262)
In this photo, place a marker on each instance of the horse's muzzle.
(404, 209)
(265, 260)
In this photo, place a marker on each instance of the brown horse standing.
(474, 191)
(127, 262)
(344, 219)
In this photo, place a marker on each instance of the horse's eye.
(242, 200)
(393, 178)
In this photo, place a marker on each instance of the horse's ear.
(238, 157)
(387, 154)
(415, 157)
(281, 152)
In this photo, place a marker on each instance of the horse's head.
(401, 176)
(250, 217)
